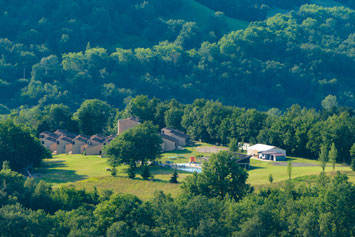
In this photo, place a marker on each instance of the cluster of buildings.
(61, 142)
(173, 139)
(64, 142)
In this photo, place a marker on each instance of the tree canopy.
(136, 146)
(19, 147)
(221, 177)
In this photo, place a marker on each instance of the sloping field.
(194, 11)
(90, 171)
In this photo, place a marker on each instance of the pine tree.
(333, 154)
(174, 177)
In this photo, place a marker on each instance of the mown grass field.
(90, 171)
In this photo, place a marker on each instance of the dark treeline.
(300, 131)
(298, 58)
(29, 208)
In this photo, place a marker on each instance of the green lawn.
(90, 171)
(260, 171)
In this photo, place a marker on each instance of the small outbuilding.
(267, 152)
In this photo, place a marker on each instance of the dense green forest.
(68, 51)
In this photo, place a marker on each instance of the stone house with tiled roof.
(64, 144)
(61, 142)
(180, 136)
(78, 142)
(169, 143)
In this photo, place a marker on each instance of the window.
(73, 143)
(42, 142)
(58, 142)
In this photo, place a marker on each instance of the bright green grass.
(144, 189)
(194, 11)
(71, 168)
(90, 171)
(260, 171)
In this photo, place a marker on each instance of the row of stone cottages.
(63, 142)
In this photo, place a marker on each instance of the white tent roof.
(262, 147)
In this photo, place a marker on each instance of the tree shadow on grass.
(255, 168)
(177, 152)
(60, 176)
(156, 171)
(50, 172)
(52, 164)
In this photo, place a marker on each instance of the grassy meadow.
(90, 171)
(191, 10)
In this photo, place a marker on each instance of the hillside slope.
(300, 57)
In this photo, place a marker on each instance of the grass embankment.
(90, 171)
(191, 10)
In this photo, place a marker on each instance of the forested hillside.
(68, 51)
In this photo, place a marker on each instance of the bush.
(131, 173)
(113, 171)
(145, 172)
(353, 164)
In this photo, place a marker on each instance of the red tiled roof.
(64, 138)
(65, 133)
(98, 138)
(174, 131)
(52, 139)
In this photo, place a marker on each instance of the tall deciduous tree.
(93, 116)
(333, 155)
(19, 147)
(58, 116)
(352, 156)
(135, 146)
(221, 177)
(323, 156)
(233, 145)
